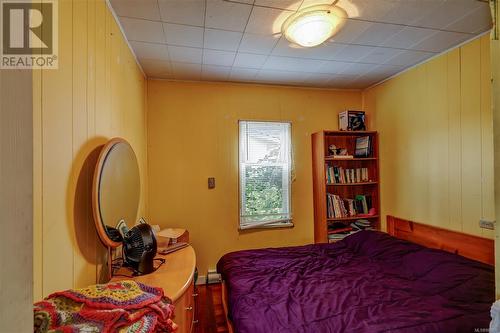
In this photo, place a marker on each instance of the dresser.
(176, 278)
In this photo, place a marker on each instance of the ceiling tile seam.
(255, 33)
(329, 42)
(326, 62)
(253, 82)
(171, 69)
(203, 39)
(117, 20)
(408, 68)
(274, 70)
(264, 6)
(281, 56)
(410, 26)
(463, 16)
(243, 33)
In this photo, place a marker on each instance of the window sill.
(271, 226)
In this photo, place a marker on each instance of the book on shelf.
(338, 207)
(342, 157)
(338, 231)
(339, 175)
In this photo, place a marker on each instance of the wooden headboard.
(469, 246)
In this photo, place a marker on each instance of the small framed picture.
(363, 147)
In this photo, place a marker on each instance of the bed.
(368, 282)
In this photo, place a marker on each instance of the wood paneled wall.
(16, 198)
(495, 68)
(436, 140)
(97, 93)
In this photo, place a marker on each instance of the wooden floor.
(210, 312)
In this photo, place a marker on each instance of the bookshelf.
(337, 181)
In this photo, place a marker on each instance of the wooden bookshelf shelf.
(352, 218)
(328, 158)
(353, 184)
(333, 201)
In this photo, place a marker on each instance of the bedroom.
(182, 81)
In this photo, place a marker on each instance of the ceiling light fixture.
(314, 25)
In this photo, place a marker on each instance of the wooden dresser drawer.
(184, 310)
(176, 278)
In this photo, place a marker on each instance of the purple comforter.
(369, 282)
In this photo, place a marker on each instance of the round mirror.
(116, 190)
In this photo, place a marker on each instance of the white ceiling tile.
(333, 67)
(309, 3)
(249, 60)
(408, 58)
(351, 30)
(380, 55)
(185, 71)
(369, 10)
(216, 57)
(352, 53)
(409, 12)
(357, 69)
(156, 68)
(447, 12)
(281, 77)
(185, 54)
(245, 74)
(215, 73)
(190, 12)
(222, 39)
(383, 71)
(475, 21)
(377, 33)
(318, 78)
(292, 64)
(441, 41)
(142, 30)
(267, 21)
(183, 35)
(408, 37)
(341, 81)
(150, 50)
(227, 15)
(281, 4)
(248, 2)
(326, 51)
(257, 43)
(145, 9)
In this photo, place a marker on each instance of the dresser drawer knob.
(195, 295)
(189, 308)
(195, 322)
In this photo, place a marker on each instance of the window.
(265, 168)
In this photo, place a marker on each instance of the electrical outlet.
(211, 183)
(487, 224)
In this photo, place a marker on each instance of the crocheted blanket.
(124, 306)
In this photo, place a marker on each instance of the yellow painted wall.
(97, 93)
(193, 135)
(436, 140)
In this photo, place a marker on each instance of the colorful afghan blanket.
(124, 306)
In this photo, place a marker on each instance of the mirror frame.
(95, 191)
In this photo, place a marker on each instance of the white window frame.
(284, 220)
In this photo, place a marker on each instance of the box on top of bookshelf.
(345, 183)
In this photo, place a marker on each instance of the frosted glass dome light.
(314, 25)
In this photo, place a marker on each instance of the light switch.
(211, 183)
